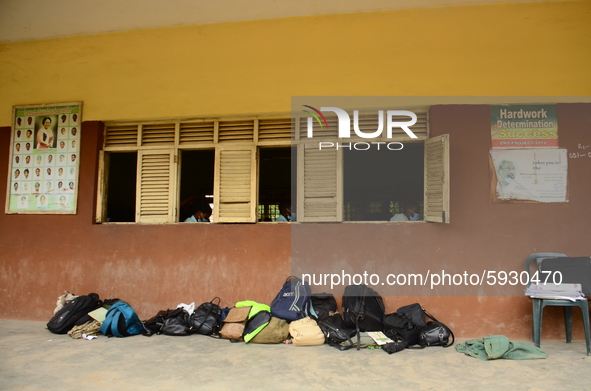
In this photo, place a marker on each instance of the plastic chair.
(539, 304)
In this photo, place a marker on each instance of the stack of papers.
(572, 292)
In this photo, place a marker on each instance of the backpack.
(66, 318)
(363, 308)
(276, 331)
(324, 304)
(397, 325)
(206, 319)
(415, 313)
(293, 300)
(176, 322)
(255, 325)
(121, 321)
(305, 332)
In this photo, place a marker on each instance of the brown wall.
(155, 267)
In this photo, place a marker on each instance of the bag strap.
(115, 325)
(429, 315)
(358, 336)
(453, 338)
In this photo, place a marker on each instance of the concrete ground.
(31, 358)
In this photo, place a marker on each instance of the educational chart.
(532, 174)
(524, 126)
(45, 156)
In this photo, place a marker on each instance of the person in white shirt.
(410, 213)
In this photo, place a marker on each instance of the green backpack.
(258, 317)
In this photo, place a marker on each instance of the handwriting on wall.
(582, 151)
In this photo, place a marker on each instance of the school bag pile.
(295, 316)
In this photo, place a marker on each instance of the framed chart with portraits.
(44, 155)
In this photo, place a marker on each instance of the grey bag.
(364, 341)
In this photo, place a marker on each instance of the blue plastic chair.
(539, 304)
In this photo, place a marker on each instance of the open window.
(196, 180)
(379, 182)
(275, 181)
(345, 184)
(117, 195)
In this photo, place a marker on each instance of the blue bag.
(121, 321)
(293, 301)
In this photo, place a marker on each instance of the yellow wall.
(255, 67)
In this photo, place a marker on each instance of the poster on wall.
(44, 159)
(524, 126)
(529, 175)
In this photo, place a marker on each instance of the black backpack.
(66, 318)
(363, 309)
(207, 318)
(176, 322)
(323, 304)
(397, 325)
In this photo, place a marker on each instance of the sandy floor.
(33, 358)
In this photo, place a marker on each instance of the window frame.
(436, 189)
(248, 133)
(221, 134)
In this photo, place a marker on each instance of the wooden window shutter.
(275, 129)
(156, 186)
(437, 179)
(121, 135)
(320, 184)
(235, 187)
(101, 199)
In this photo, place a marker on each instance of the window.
(275, 181)
(344, 184)
(184, 159)
(377, 183)
(196, 180)
(250, 165)
(121, 193)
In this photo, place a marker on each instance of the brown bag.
(305, 332)
(234, 323)
(237, 315)
(276, 331)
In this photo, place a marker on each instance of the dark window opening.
(197, 171)
(121, 189)
(378, 183)
(276, 181)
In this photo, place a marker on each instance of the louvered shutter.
(156, 186)
(320, 184)
(197, 133)
(158, 134)
(101, 204)
(278, 129)
(236, 131)
(121, 135)
(437, 179)
(235, 185)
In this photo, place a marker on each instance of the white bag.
(63, 300)
(305, 332)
